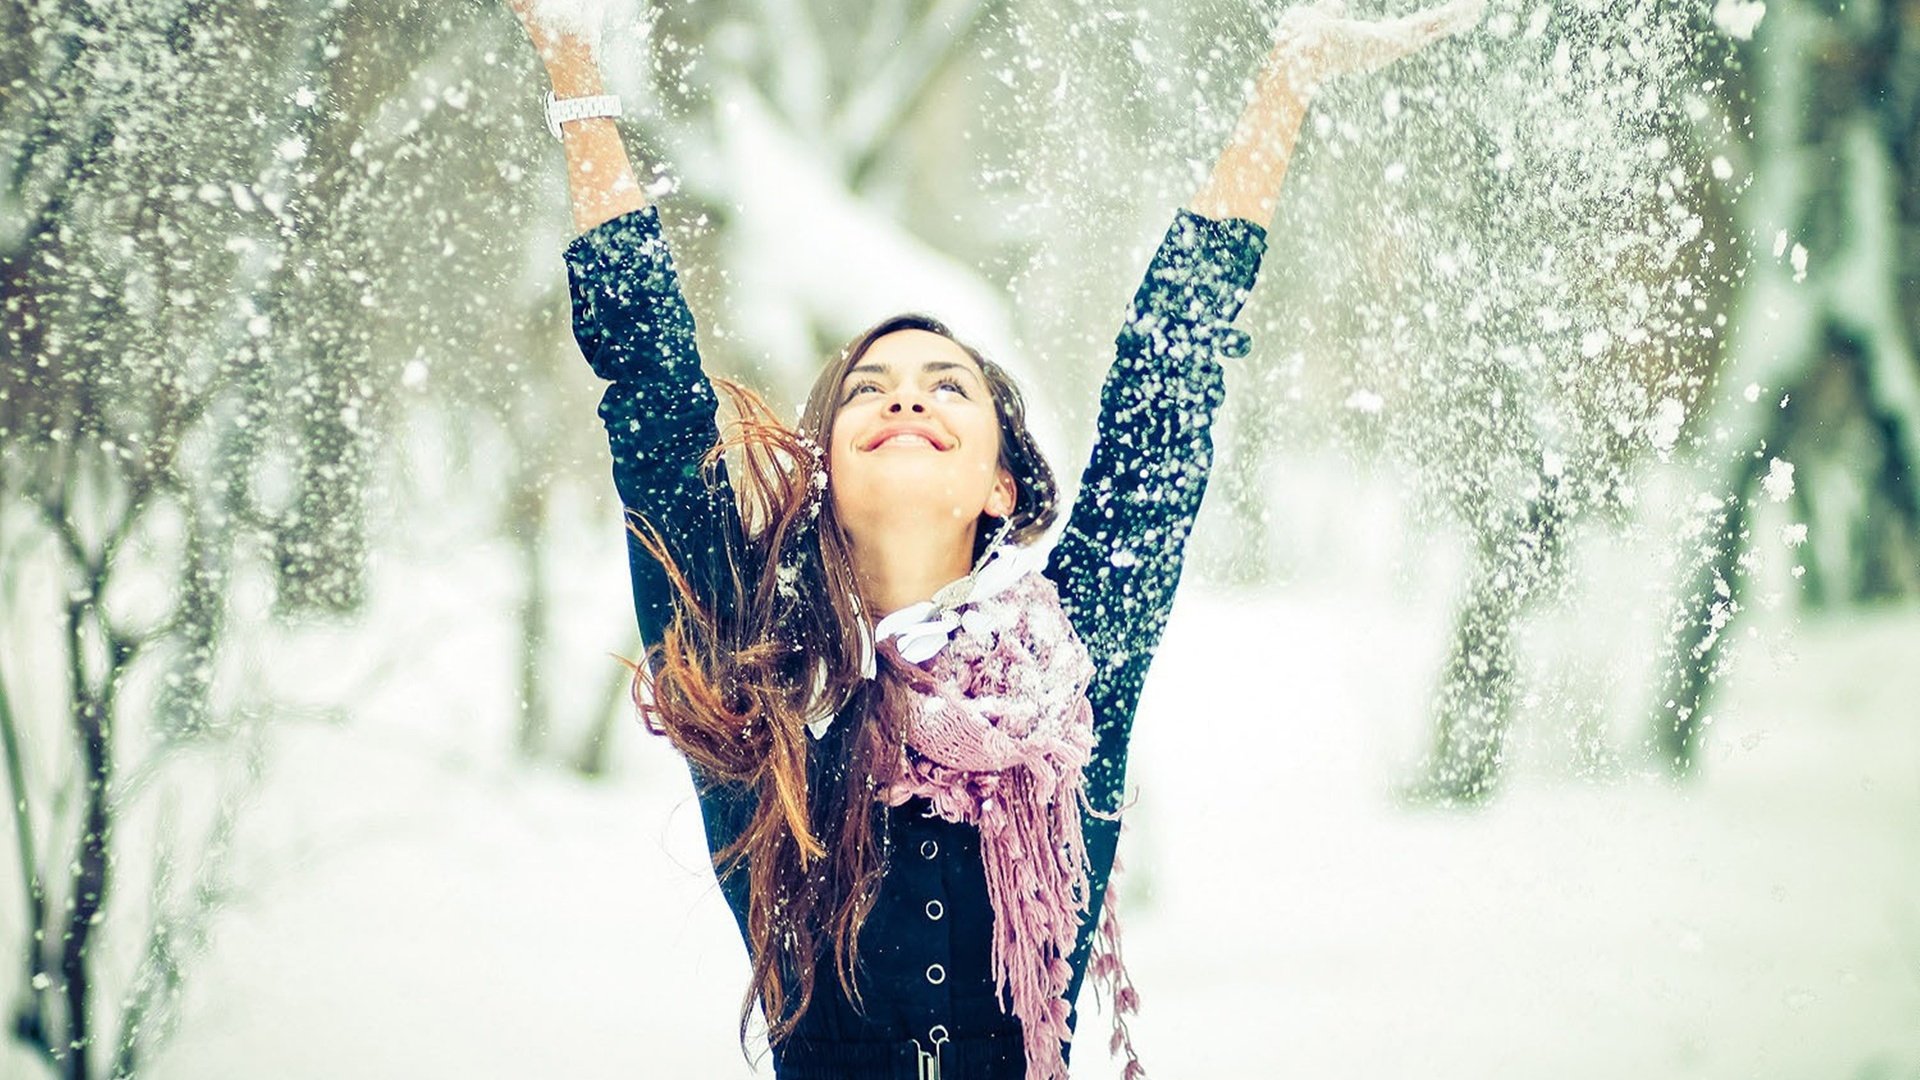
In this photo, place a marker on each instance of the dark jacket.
(925, 974)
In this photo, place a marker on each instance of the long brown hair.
(732, 684)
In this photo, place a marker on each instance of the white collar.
(924, 628)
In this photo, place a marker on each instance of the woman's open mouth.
(907, 438)
(907, 435)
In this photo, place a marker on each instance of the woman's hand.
(600, 179)
(1314, 43)
(567, 53)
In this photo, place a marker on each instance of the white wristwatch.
(561, 110)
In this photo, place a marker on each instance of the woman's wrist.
(572, 83)
(572, 68)
(1292, 69)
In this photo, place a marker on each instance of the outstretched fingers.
(1378, 44)
(1448, 19)
(560, 34)
(1321, 42)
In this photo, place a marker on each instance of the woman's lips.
(907, 438)
(907, 434)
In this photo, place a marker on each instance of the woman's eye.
(951, 384)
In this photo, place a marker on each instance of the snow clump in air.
(586, 18)
(1778, 483)
(1738, 18)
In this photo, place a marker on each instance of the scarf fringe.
(1002, 741)
(1109, 968)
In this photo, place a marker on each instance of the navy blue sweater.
(924, 975)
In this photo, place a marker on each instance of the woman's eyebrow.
(949, 365)
(876, 368)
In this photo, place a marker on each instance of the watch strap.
(563, 110)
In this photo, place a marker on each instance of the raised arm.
(600, 177)
(1119, 559)
(1312, 44)
(633, 325)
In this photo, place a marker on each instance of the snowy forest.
(1541, 698)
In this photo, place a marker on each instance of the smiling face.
(916, 439)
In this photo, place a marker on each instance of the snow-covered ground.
(413, 904)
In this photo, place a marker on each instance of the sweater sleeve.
(1119, 558)
(633, 324)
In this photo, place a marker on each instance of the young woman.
(908, 725)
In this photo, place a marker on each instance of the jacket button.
(928, 849)
(935, 909)
(936, 974)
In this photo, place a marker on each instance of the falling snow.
(1573, 429)
(1778, 483)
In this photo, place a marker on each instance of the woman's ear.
(1005, 493)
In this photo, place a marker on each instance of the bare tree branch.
(33, 1024)
(149, 1012)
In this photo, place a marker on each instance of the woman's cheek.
(838, 449)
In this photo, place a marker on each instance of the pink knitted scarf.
(1001, 740)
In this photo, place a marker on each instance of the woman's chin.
(909, 476)
(903, 513)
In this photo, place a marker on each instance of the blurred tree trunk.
(1515, 564)
(1828, 320)
(616, 703)
(92, 445)
(527, 525)
(186, 291)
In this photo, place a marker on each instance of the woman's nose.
(896, 404)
